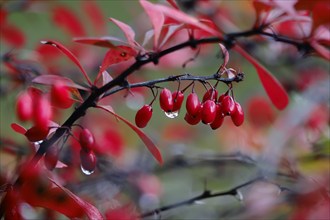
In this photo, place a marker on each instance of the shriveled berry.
(208, 112)
(36, 133)
(177, 97)
(88, 160)
(143, 116)
(193, 104)
(192, 120)
(86, 140)
(60, 95)
(211, 94)
(228, 105)
(166, 100)
(24, 106)
(219, 118)
(238, 116)
(51, 157)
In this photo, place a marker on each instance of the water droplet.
(198, 202)
(86, 172)
(239, 196)
(172, 114)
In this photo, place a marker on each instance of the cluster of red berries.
(35, 106)
(211, 110)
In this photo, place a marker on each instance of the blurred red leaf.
(51, 80)
(12, 35)
(122, 213)
(146, 140)
(69, 54)
(182, 17)
(128, 31)
(94, 12)
(156, 18)
(321, 14)
(66, 19)
(272, 86)
(3, 16)
(18, 128)
(321, 50)
(225, 55)
(98, 41)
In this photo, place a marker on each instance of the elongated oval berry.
(177, 97)
(192, 120)
(221, 97)
(86, 140)
(60, 95)
(238, 116)
(211, 94)
(88, 161)
(51, 157)
(42, 111)
(166, 100)
(24, 106)
(36, 133)
(228, 105)
(143, 116)
(208, 112)
(219, 118)
(193, 104)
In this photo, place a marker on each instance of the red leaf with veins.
(94, 12)
(66, 19)
(70, 55)
(128, 31)
(272, 86)
(181, 17)
(156, 18)
(146, 140)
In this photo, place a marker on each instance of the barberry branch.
(228, 39)
(207, 194)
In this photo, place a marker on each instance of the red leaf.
(12, 35)
(116, 55)
(51, 79)
(272, 86)
(91, 211)
(65, 18)
(95, 15)
(321, 50)
(146, 140)
(173, 4)
(128, 31)
(181, 17)
(156, 18)
(70, 55)
(18, 128)
(3, 16)
(99, 41)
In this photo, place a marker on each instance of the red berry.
(238, 116)
(143, 116)
(193, 105)
(192, 120)
(228, 105)
(60, 95)
(24, 107)
(51, 157)
(219, 118)
(211, 94)
(208, 112)
(42, 111)
(86, 140)
(221, 97)
(177, 97)
(166, 100)
(36, 133)
(88, 160)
